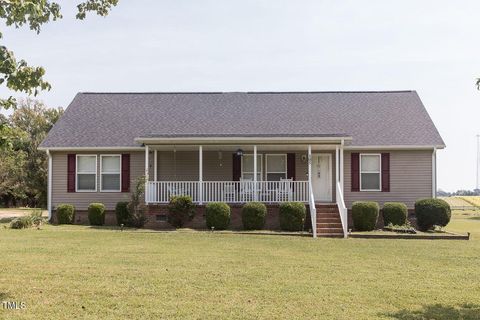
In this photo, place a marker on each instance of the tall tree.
(25, 167)
(17, 75)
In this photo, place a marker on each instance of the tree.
(478, 83)
(16, 75)
(24, 168)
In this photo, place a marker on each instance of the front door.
(322, 177)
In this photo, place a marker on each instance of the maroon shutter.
(125, 172)
(355, 171)
(291, 166)
(236, 167)
(71, 164)
(385, 172)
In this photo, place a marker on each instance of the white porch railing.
(228, 191)
(313, 212)
(342, 209)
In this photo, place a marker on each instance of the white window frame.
(119, 172)
(77, 173)
(379, 155)
(266, 164)
(261, 165)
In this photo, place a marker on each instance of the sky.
(428, 46)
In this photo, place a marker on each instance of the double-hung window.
(86, 173)
(247, 167)
(110, 173)
(370, 172)
(276, 167)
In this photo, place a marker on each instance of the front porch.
(311, 174)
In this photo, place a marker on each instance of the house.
(326, 149)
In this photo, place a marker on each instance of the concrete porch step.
(330, 235)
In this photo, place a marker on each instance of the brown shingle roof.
(370, 118)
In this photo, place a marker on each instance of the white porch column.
(255, 197)
(337, 165)
(341, 167)
(155, 165)
(147, 191)
(49, 186)
(200, 174)
(309, 161)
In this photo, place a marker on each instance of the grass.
(95, 273)
(473, 200)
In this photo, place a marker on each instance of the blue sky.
(428, 46)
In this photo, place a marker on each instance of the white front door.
(322, 176)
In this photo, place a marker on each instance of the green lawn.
(81, 272)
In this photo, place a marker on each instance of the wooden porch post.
(309, 161)
(255, 197)
(200, 174)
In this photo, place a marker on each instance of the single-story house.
(326, 149)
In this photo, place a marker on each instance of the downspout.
(49, 186)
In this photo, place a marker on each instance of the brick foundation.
(198, 222)
(411, 217)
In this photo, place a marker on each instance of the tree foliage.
(23, 169)
(17, 75)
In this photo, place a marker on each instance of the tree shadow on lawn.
(3, 296)
(439, 312)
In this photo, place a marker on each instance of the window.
(86, 173)
(110, 172)
(276, 167)
(370, 172)
(247, 167)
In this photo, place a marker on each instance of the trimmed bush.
(180, 210)
(394, 213)
(122, 213)
(65, 213)
(96, 214)
(292, 216)
(365, 215)
(253, 215)
(21, 223)
(431, 213)
(217, 215)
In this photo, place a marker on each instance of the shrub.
(292, 216)
(217, 215)
(96, 214)
(365, 215)
(65, 213)
(122, 213)
(253, 215)
(394, 213)
(136, 208)
(180, 209)
(431, 213)
(21, 223)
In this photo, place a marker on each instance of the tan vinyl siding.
(410, 178)
(81, 200)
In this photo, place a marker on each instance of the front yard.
(99, 273)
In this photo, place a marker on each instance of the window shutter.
(291, 166)
(355, 171)
(385, 172)
(125, 172)
(71, 164)
(236, 167)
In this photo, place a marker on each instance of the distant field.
(462, 202)
(473, 200)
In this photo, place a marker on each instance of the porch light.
(239, 152)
